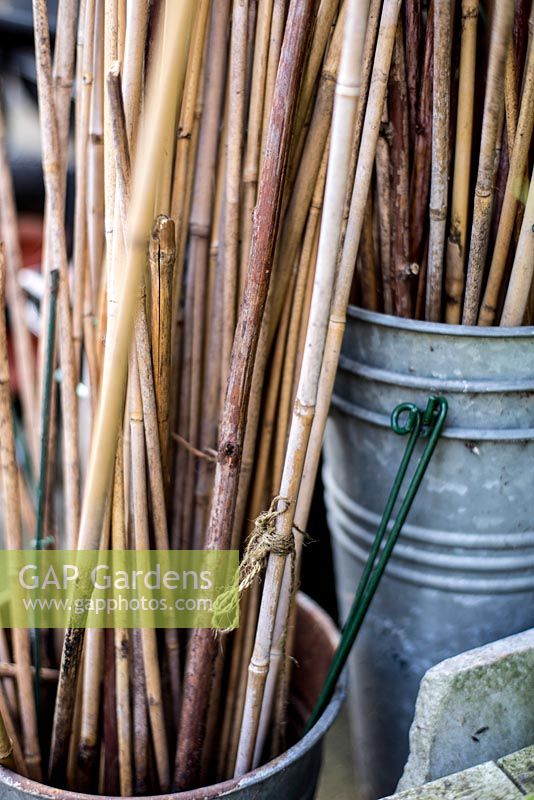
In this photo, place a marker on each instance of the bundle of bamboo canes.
(243, 169)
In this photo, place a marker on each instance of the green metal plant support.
(405, 419)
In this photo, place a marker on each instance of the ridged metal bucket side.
(462, 573)
(294, 774)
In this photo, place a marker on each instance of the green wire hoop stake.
(405, 419)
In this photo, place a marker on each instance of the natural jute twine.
(264, 539)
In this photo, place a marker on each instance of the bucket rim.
(400, 323)
(41, 791)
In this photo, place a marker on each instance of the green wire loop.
(428, 424)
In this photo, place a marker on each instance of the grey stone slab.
(484, 782)
(471, 709)
(520, 767)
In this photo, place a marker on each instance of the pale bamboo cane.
(454, 277)
(83, 104)
(89, 745)
(111, 32)
(15, 759)
(10, 482)
(512, 197)
(15, 298)
(517, 296)
(139, 717)
(185, 126)
(347, 88)
(162, 260)
(305, 268)
(203, 646)
(483, 202)
(199, 231)
(161, 111)
(142, 542)
(144, 357)
(62, 78)
(440, 157)
(232, 193)
(51, 167)
(122, 640)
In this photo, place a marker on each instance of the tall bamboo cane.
(203, 646)
(10, 482)
(500, 35)
(161, 112)
(51, 162)
(454, 280)
(440, 156)
(347, 89)
(512, 197)
(15, 298)
(234, 149)
(517, 296)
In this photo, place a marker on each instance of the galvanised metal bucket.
(462, 573)
(291, 776)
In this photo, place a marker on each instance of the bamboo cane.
(398, 104)
(140, 717)
(278, 18)
(95, 151)
(510, 95)
(15, 762)
(83, 100)
(454, 280)
(234, 146)
(15, 299)
(122, 640)
(440, 156)
(142, 542)
(501, 29)
(342, 129)
(412, 29)
(203, 645)
(420, 181)
(326, 19)
(512, 196)
(145, 373)
(517, 296)
(383, 203)
(254, 127)
(62, 80)
(161, 109)
(8, 465)
(89, 746)
(51, 162)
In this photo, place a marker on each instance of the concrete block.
(471, 709)
(520, 768)
(485, 782)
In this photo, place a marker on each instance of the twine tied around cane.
(264, 539)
